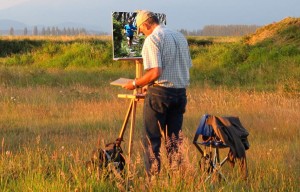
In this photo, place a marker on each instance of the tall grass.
(49, 132)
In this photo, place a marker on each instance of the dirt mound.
(271, 30)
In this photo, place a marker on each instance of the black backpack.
(111, 154)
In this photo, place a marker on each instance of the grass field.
(49, 132)
(57, 106)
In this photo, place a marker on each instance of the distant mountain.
(6, 24)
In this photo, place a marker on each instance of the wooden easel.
(131, 113)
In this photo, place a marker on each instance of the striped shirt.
(168, 50)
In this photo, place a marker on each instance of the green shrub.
(262, 66)
(53, 54)
(266, 65)
(10, 47)
(199, 42)
(20, 59)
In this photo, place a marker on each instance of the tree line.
(209, 30)
(48, 31)
(222, 30)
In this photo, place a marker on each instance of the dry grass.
(224, 39)
(48, 133)
(270, 30)
(58, 38)
(218, 39)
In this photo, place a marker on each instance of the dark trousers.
(163, 117)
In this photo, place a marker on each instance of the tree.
(82, 31)
(11, 31)
(64, 31)
(43, 31)
(48, 31)
(53, 31)
(69, 31)
(228, 30)
(35, 30)
(25, 32)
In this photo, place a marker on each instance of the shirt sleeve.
(151, 54)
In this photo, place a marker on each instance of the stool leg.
(211, 165)
(215, 165)
(218, 165)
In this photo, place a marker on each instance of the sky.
(181, 14)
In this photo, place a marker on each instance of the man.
(166, 60)
(129, 30)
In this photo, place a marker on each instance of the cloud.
(5, 4)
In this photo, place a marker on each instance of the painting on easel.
(127, 43)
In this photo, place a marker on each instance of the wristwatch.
(134, 84)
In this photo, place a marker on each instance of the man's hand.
(144, 89)
(129, 85)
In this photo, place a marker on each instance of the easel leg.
(126, 120)
(132, 126)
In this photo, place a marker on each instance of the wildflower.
(8, 153)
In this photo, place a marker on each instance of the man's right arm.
(150, 76)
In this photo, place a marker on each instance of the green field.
(57, 106)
